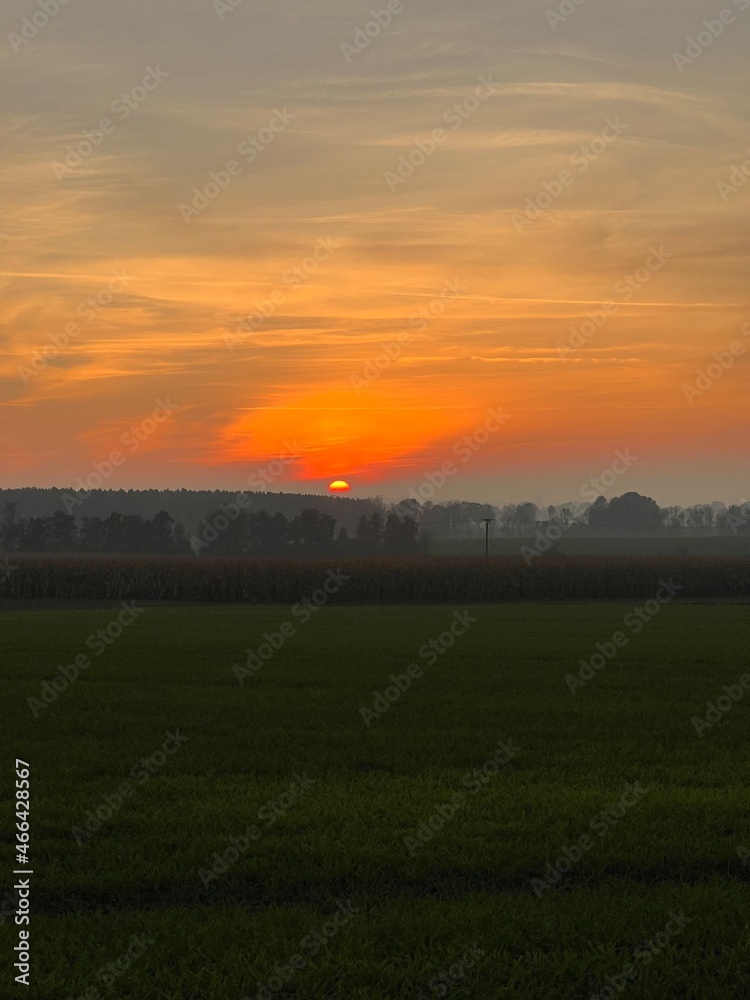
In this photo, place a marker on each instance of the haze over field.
(465, 183)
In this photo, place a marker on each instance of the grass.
(341, 841)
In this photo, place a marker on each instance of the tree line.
(188, 507)
(226, 531)
(405, 528)
(118, 533)
(628, 513)
(229, 531)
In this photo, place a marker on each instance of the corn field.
(377, 581)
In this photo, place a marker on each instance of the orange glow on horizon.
(381, 326)
(331, 429)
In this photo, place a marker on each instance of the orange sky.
(314, 226)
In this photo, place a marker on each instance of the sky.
(472, 249)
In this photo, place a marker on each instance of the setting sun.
(374, 390)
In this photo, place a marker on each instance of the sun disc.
(339, 486)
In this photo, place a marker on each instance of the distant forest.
(185, 522)
(227, 531)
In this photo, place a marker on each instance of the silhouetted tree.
(598, 513)
(369, 534)
(632, 510)
(401, 535)
(312, 532)
(629, 512)
(8, 526)
(62, 532)
(525, 517)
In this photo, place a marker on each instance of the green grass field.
(326, 812)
